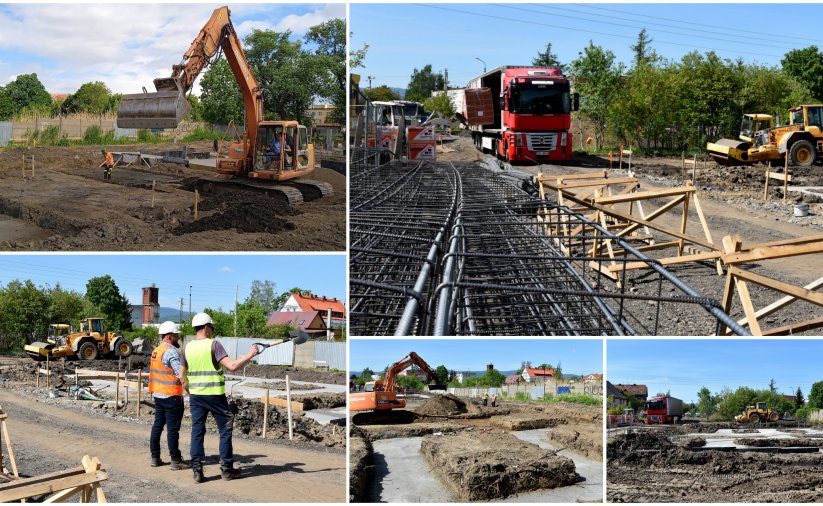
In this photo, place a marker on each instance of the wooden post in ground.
(288, 404)
(126, 381)
(694, 169)
(23, 167)
(153, 185)
(768, 176)
(266, 414)
(139, 389)
(611, 157)
(620, 157)
(196, 201)
(786, 180)
(5, 430)
(38, 377)
(48, 372)
(32, 166)
(116, 391)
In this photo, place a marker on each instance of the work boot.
(156, 462)
(198, 475)
(229, 474)
(178, 464)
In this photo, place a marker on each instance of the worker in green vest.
(203, 362)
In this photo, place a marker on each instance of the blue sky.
(583, 356)
(213, 277)
(126, 45)
(453, 35)
(684, 366)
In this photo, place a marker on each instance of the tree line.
(290, 76)
(26, 310)
(726, 404)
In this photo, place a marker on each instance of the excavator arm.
(168, 106)
(409, 360)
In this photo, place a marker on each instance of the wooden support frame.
(83, 480)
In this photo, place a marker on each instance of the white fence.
(534, 390)
(332, 354)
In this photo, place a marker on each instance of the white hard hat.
(168, 327)
(201, 319)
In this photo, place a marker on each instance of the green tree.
(381, 93)
(220, 96)
(440, 103)
(442, 374)
(6, 105)
(66, 306)
(643, 53)
(706, 402)
(103, 292)
(547, 59)
(365, 376)
(411, 382)
(357, 56)
(330, 39)
(262, 292)
(806, 65)
(731, 403)
(23, 315)
(596, 76)
(422, 83)
(92, 98)
(26, 91)
(558, 371)
(815, 400)
(772, 386)
(196, 113)
(799, 401)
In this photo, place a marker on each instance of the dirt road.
(46, 438)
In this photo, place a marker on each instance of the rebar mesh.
(456, 249)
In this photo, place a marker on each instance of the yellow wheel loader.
(758, 413)
(89, 343)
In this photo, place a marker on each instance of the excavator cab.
(283, 151)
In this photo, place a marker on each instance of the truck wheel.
(87, 351)
(802, 154)
(123, 348)
(773, 417)
(754, 418)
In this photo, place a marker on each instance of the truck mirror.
(576, 102)
(502, 103)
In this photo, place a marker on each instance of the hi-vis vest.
(203, 378)
(162, 379)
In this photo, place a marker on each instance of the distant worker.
(486, 399)
(166, 385)
(203, 360)
(494, 400)
(108, 164)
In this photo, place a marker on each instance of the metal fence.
(533, 390)
(6, 129)
(333, 354)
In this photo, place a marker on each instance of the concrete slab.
(327, 416)
(401, 474)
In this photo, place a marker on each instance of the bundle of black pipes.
(442, 248)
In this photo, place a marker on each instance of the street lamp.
(189, 301)
(483, 62)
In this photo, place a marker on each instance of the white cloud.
(124, 45)
(225, 269)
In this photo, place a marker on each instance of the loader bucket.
(165, 108)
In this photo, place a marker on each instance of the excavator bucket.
(437, 386)
(165, 108)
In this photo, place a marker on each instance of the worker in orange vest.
(166, 386)
(108, 163)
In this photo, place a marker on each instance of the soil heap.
(446, 405)
(248, 418)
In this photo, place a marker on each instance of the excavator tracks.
(293, 192)
(312, 189)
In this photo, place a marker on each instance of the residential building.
(532, 375)
(513, 379)
(323, 305)
(639, 392)
(463, 376)
(320, 113)
(615, 396)
(592, 378)
(312, 322)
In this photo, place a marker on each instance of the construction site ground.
(732, 201)
(719, 462)
(387, 465)
(51, 431)
(66, 205)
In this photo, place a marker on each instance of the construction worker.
(486, 399)
(108, 163)
(204, 360)
(494, 400)
(166, 385)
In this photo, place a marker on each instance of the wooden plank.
(748, 307)
(4, 427)
(787, 242)
(63, 495)
(773, 252)
(282, 403)
(795, 327)
(26, 490)
(779, 286)
(93, 464)
(683, 259)
(598, 182)
(44, 477)
(781, 303)
(646, 195)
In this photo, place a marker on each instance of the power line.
(607, 34)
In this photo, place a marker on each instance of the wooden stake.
(32, 166)
(48, 372)
(266, 414)
(116, 391)
(139, 389)
(786, 180)
(694, 169)
(153, 184)
(288, 400)
(196, 200)
(768, 176)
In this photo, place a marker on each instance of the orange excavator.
(379, 403)
(273, 151)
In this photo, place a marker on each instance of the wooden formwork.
(737, 281)
(83, 480)
(617, 204)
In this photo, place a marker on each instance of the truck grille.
(541, 141)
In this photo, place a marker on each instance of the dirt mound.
(705, 428)
(281, 385)
(321, 400)
(243, 211)
(780, 442)
(692, 442)
(248, 419)
(307, 375)
(360, 469)
(585, 440)
(479, 466)
(447, 405)
(626, 446)
(525, 421)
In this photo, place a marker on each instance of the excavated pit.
(780, 442)
(360, 465)
(243, 211)
(588, 443)
(248, 419)
(486, 465)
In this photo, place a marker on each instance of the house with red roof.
(537, 375)
(310, 321)
(639, 392)
(593, 378)
(319, 303)
(513, 379)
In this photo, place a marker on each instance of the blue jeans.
(168, 413)
(218, 406)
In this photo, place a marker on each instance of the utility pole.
(483, 62)
(236, 289)
(445, 79)
(369, 78)
(181, 311)
(189, 301)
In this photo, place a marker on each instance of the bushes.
(200, 134)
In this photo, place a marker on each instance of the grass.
(570, 398)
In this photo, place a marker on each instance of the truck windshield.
(655, 405)
(539, 100)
